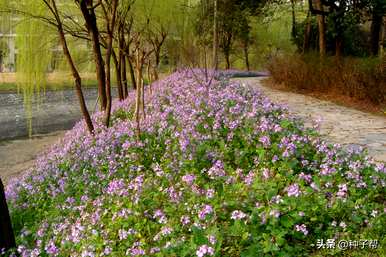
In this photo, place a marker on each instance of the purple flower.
(306, 177)
(274, 213)
(248, 180)
(265, 141)
(301, 228)
(185, 220)
(238, 215)
(205, 250)
(210, 193)
(107, 250)
(293, 190)
(189, 179)
(217, 170)
(212, 239)
(342, 193)
(51, 248)
(342, 225)
(206, 210)
(266, 173)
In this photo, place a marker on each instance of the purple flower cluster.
(206, 210)
(205, 250)
(208, 149)
(302, 228)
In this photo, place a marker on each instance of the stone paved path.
(340, 124)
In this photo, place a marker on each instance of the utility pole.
(7, 238)
(215, 35)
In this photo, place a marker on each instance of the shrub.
(219, 171)
(361, 79)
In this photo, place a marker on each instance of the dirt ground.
(18, 155)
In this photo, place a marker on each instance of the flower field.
(219, 170)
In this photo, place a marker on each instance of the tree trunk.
(124, 76)
(157, 63)
(338, 46)
(376, 30)
(108, 81)
(132, 74)
(246, 56)
(307, 34)
(74, 71)
(110, 19)
(138, 97)
(7, 237)
(122, 59)
(91, 24)
(227, 59)
(118, 68)
(215, 36)
(293, 32)
(382, 40)
(143, 99)
(322, 29)
(148, 70)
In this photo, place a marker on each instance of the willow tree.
(41, 29)
(33, 41)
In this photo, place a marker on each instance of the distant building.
(8, 51)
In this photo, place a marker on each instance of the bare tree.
(51, 5)
(156, 39)
(110, 12)
(140, 55)
(87, 8)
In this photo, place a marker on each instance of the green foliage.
(355, 38)
(271, 34)
(33, 43)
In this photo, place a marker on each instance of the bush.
(219, 171)
(362, 79)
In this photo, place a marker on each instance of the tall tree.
(51, 5)
(321, 28)
(110, 12)
(87, 8)
(378, 11)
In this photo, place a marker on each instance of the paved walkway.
(340, 124)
